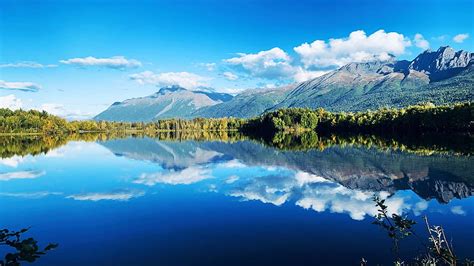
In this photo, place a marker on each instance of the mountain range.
(442, 76)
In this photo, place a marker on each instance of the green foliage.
(196, 124)
(26, 250)
(32, 121)
(290, 119)
(29, 144)
(23, 145)
(418, 118)
(35, 122)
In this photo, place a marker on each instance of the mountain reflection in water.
(340, 169)
(325, 175)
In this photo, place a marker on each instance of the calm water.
(141, 201)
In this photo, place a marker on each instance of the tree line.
(40, 122)
(418, 118)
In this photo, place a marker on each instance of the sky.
(75, 58)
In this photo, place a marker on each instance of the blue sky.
(74, 58)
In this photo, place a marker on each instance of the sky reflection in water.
(214, 202)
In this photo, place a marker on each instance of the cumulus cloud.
(21, 175)
(338, 199)
(421, 42)
(273, 189)
(121, 195)
(311, 192)
(320, 56)
(230, 76)
(184, 79)
(19, 86)
(269, 64)
(26, 64)
(302, 74)
(11, 102)
(358, 47)
(13, 161)
(184, 177)
(460, 37)
(303, 178)
(115, 62)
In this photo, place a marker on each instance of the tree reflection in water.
(23, 249)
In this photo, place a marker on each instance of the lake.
(145, 201)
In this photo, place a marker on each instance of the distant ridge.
(442, 76)
(168, 102)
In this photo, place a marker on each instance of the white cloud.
(115, 62)
(208, 66)
(30, 195)
(303, 178)
(269, 64)
(233, 91)
(231, 179)
(184, 177)
(62, 111)
(13, 103)
(10, 102)
(26, 64)
(460, 37)
(312, 192)
(21, 175)
(302, 74)
(420, 207)
(20, 86)
(13, 161)
(184, 79)
(339, 199)
(232, 164)
(123, 195)
(358, 47)
(230, 76)
(269, 85)
(320, 56)
(273, 189)
(254, 193)
(421, 42)
(458, 210)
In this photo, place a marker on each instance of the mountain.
(168, 102)
(250, 103)
(441, 77)
(441, 64)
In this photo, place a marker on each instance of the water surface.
(144, 201)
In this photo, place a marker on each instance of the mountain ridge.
(168, 102)
(441, 76)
